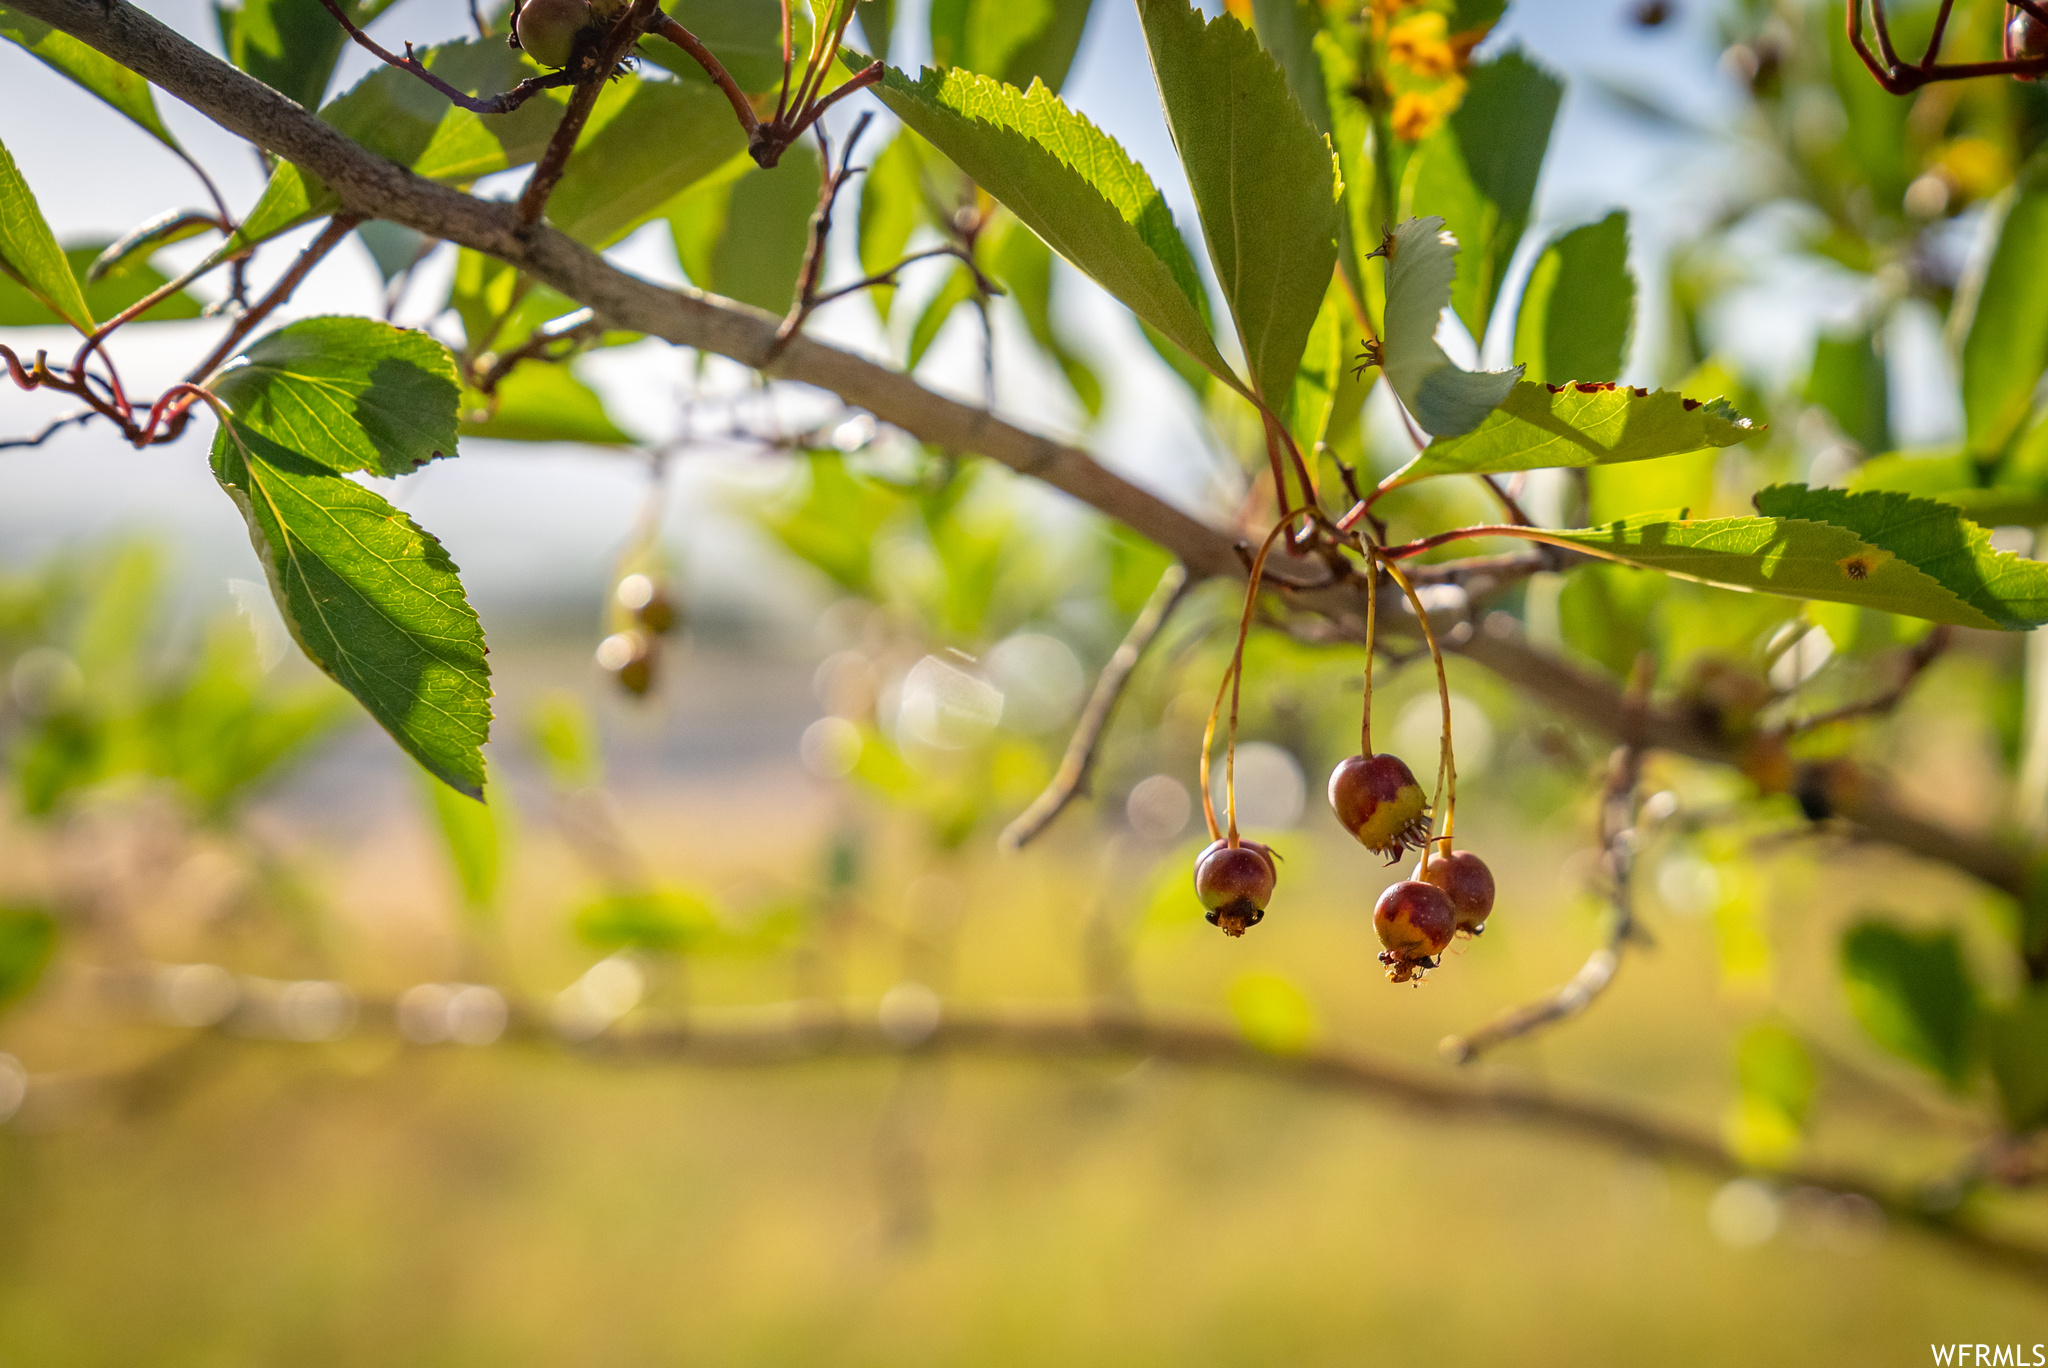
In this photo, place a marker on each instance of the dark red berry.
(1415, 921)
(1235, 883)
(1379, 802)
(1467, 882)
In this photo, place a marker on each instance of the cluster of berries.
(642, 614)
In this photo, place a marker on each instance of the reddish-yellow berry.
(2025, 37)
(1379, 802)
(1235, 883)
(1467, 882)
(1415, 921)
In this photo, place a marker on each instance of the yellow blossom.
(1416, 117)
(1422, 45)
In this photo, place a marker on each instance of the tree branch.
(372, 187)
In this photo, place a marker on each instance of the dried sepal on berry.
(1235, 882)
(1415, 922)
(1379, 802)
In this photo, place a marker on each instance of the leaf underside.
(1538, 427)
(1422, 261)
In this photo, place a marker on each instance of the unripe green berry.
(547, 29)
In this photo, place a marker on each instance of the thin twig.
(665, 26)
(55, 426)
(820, 232)
(1618, 850)
(591, 76)
(338, 228)
(488, 104)
(1071, 780)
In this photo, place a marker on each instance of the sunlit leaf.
(745, 235)
(347, 393)
(2010, 591)
(1422, 260)
(469, 838)
(1578, 308)
(2006, 347)
(1073, 186)
(666, 137)
(29, 252)
(542, 403)
(1536, 427)
(371, 599)
(133, 281)
(1848, 380)
(1264, 182)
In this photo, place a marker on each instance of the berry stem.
(1447, 765)
(1232, 676)
(1372, 636)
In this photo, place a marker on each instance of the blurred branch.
(371, 187)
(1913, 662)
(793, 1033)
(1079, 761)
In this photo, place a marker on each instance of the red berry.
(1379, 802)
(1467, 882)
(2025, 37)
(1415, 921)
(1235, 883)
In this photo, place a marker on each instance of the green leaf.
(1073, 186)
(667, 137)
(371, 598)
(1015, 41)
(539, 402)
(835, 523)
(1848, 380)
(1913, 993)
(1264, 180)
(666, 921)
(127, 92)
(347, 393)
(1350, 128)
(2006, 347)
(746, 35)
(567, 740)
(469, 837)
(1537, 427)
(743, 234)
(2016, 1046)
(1479, 173)
(1288, 30)
(399, 117)
(1422, 260)
(173, 225)
(1020, 260)
(1992, 495)
(1775, 1082)
(1578, 309)
(958, 289)
(877, 20)
(1314, 397)
(289, 45)
(1785, 556)
(2009, 591)
(28, 937)
(130, 283)
(29, 252)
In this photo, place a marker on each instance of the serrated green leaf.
(1479, 173)
(1578, 309)
(1288, 29)
(667, 137)
(1314, 396)
(1913, 992)
(121, 88)
(2006, 347)
(1536, 428)
(133, 281)
(29, 251)
(1785, 556)
(538, 402)
(2008, 590)
(1422, 260)
(1073, 186)
(371, 598)
(347, 393)
(1264, 181)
